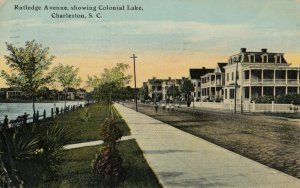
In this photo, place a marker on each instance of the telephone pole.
(135, 94)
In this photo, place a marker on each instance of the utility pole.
(135, 97)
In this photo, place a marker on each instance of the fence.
(249, 107)
(25, 119)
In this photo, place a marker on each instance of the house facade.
(212, 84)
(249, 75)
(195, 77)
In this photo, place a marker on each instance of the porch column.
(250, 76)
(286, 76)
(262, 76)
(274, 76)
(274, 92)
(262, 90)
(250, 91)
(215, 91)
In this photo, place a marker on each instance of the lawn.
(86, 131)
(76, 168)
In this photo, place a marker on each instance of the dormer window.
(277, 58)
(265, 58)
(251, 58)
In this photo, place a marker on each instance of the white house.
(256, 74)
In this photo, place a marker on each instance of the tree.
(66, 76)
(29, 67)
(110, 85)
(187, 88)
(173, 90)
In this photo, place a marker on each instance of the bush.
(110, 132)
(108, 163)
(288, 99)
(264, 99)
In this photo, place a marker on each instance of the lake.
(13, 110)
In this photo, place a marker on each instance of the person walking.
(156, 107)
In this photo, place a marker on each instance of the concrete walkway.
(92, 143)
(180, 159)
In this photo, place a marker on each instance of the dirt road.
(273, 142)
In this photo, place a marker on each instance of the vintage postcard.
(162, 93)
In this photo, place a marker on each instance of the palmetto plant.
(38, 151)
(84, 114)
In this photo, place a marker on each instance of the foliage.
(176, 91)
(144, 92)
(288, 99)
(32, 149)
(280, 99)
(50, 146)
(110, 85)
(108, 163)
(264, 99)
(29, 65)
(67, 77)
(110, 132)
(187, 87)
(85, 115)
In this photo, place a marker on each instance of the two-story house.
(195, 77)
(249, 75)
(212, 84)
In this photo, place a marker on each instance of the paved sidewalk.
(92, 143)
(180, 159)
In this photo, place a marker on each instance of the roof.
(221, 66)
(197, 73)
(243, 56)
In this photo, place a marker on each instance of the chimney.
(243, 50)
(264, 50)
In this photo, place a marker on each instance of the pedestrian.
(156, 107)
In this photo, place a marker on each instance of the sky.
(168, 36)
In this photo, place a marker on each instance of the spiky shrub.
(108, 162)
(85, 115)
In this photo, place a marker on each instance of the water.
(13, 110)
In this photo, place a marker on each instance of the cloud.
(36, 22)
(2, 2)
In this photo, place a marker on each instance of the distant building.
(81, 94)
(195, 77)
(12, 93)
(258, 74)
(154, 86)
(212, 84)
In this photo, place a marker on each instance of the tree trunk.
(65, 99)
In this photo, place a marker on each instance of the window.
(199, 94)
(237, 75)
(199, 84)
(246, 74)
(264, 58)
(232, 75)
(227, 77)
(231, 93)
(247, 92)
(225, 93)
